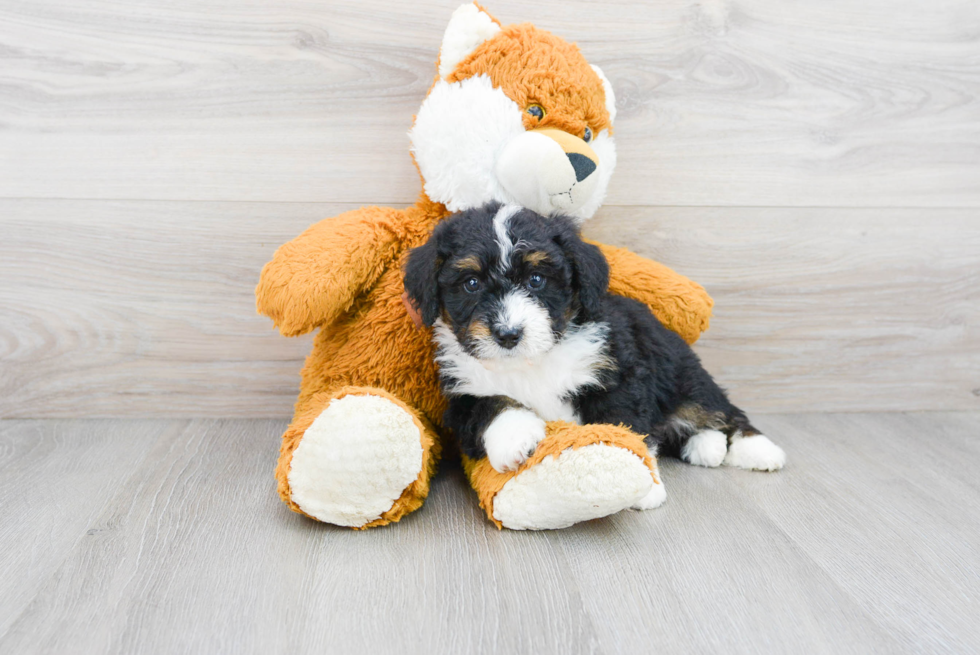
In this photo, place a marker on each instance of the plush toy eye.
(588, 135)
(535, 282)
(537, 111)
(471, 285)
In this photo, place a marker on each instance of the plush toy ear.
(422, 280)
(589, 270)
(469, 27)
(610, 96)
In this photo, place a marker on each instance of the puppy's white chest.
(533, 387)
(543, 384)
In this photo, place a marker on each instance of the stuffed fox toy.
(515, 115)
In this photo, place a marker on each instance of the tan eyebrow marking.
(536, 257)
(471, 263)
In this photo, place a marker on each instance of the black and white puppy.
(527, 332)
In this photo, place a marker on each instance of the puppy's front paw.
(511, 438)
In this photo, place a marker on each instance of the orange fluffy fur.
(343, 275)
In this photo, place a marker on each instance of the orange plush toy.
(515, 115)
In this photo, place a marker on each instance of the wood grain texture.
(865, 543)
(721, 102)
(147, 308)
(849, 309)
(887, 505)
(144, 309)
(56, 480)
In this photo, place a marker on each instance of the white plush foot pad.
(706, 448)
(756, 452)
(654, 499)
(579, 485)
(355, 460)
(658, 493)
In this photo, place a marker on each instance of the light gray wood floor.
(165, 536)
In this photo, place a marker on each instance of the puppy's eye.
(471, 285)
(536, 110)
(535, 282)
(588, 135)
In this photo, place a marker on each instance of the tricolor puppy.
(527, 333)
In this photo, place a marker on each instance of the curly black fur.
(650, 381)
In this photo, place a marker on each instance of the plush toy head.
(516, 115)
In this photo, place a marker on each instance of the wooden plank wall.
(815, 165)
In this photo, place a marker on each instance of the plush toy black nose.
(582, 165)
(507, 337)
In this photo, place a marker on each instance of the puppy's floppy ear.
(422, 280)
(590, 272)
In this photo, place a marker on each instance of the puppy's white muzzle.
(520, 330)
(542, 175)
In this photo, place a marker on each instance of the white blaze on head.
(504, 242)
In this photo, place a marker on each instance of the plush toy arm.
(681, 304)
(315, 278)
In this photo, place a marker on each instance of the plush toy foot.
(657, 494)
(357, 458)
(576, 473)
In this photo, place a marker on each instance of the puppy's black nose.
(582, 165)
(507, 337)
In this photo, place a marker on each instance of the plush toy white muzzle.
(548, 170)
